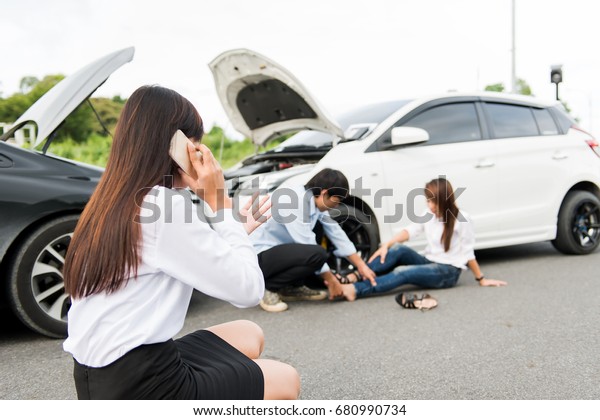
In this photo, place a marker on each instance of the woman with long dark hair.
(139, 250)
(450, 242)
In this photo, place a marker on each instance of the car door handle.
(485, 163)
(559, 156)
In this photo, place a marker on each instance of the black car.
(41, 197)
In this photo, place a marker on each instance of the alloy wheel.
(47, 282)
(586, 224)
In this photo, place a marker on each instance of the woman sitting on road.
(139, 250)
(450, 241)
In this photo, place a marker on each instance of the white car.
(521, 167)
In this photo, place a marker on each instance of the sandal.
(357, 276)
(413, 301)
(342, 279)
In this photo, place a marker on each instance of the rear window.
(511, 120)
(545, 122)
(564, 120)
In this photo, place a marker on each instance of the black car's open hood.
(52, 108)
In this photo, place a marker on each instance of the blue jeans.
(404, 266)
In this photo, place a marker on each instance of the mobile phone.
(179, 153)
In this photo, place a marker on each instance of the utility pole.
(513, 84)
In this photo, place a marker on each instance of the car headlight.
(267, 183)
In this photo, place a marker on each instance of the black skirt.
(200, 365)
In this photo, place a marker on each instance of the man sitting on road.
(288, 253)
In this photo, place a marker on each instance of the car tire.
(361, 230)
(578, 229)
(36, 290)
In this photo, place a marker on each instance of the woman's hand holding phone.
(209, 184)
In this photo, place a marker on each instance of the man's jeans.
(404, 266)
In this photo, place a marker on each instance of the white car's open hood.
(263, 100)
(52, 108)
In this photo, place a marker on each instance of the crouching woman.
(138, 252)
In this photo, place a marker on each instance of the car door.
(533, 160)
(459, 149)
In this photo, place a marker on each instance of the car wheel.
(578, 230)
(36, 289)
(361, 230)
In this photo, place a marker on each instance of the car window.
(511, 120)
(448, 123)
(564, 120)
(374, 113)
(545, 122)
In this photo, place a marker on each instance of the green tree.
(497, 87)
(108, 111)
(27, 83)
(12, 107)
(119, 100)
(523, 87)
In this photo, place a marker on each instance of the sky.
(347, 53)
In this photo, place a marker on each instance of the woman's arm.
(215, 258)
(401, 237)
(474, 266)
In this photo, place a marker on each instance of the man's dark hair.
(331, 180)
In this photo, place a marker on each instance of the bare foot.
(349, 292)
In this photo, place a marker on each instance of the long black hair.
(105, 245)
(440, 191)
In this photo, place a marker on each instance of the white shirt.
(180, 251)
(294, 216)
(461, 245)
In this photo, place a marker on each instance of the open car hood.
(54, 106)
(263, 100)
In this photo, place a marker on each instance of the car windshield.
(370, 114)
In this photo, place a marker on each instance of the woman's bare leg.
(246, 336)
(282, 381)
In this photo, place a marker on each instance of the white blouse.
(180, 251)
(461, 246)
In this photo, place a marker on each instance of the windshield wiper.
(299, 148)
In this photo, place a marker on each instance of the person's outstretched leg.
(397, 255)
(431, 276)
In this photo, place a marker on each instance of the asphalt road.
(538, 338)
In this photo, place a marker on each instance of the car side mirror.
(408, 135)
(355, 132)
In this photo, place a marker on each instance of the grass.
(93, 151)
(96, 149)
